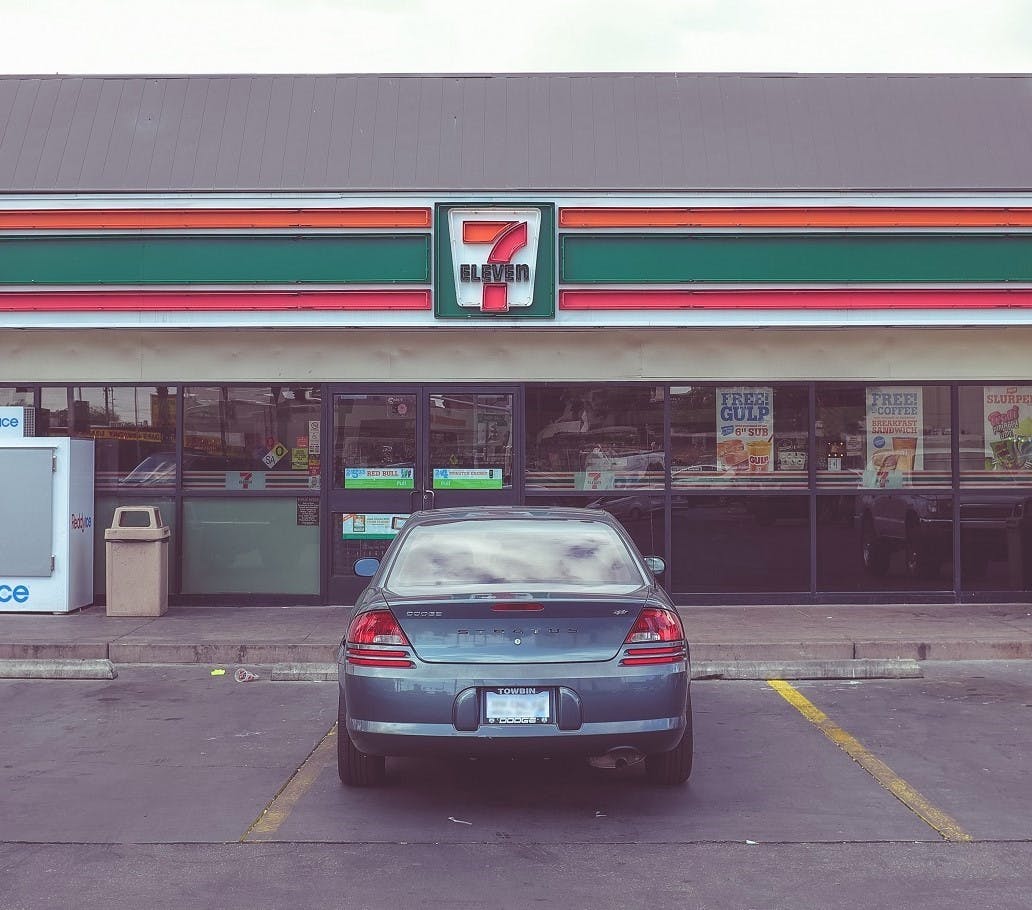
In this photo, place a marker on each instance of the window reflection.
(134, 433)
(883, 436)
(529, 554)
(740, 543)
(643, 515)
(882, 540)
(740, 435)
(595, 437)
(995, 423)
(17, 396)
(374, 441)
(52, 419)
(470, 441)
(251, 437)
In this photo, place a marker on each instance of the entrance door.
(400, 449)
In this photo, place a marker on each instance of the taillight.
(370, 636)
(377, 627)
(659, 637)
(654, 624)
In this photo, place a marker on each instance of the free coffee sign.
(895, 438)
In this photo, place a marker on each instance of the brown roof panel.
(534, 132)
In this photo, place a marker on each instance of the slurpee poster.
(1008, 427)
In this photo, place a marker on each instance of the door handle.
(428, 499)
(416, 504)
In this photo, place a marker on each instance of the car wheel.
(356, 768)
(875, 551)
(674, 767)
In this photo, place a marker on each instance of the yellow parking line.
(881, 772)
(282, 804)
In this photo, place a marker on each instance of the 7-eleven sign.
(494, 254)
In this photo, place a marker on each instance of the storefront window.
(881, 437)
(252, 438)
(752, 543)
(470, 441)
(996, 540)
(134, 433)
(263, 545)
(643, 515)
(995, 423)
(885, 540)
(595, 438)
(17, 396)
(739, 435)
(374, 441)
(52, 418)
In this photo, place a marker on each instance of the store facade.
(792, 396)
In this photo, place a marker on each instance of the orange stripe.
(794, 217)
(141, 219)
(483, 231)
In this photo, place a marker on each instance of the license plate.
(517, 705)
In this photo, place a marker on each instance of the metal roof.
(539, 132)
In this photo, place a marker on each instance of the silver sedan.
(514, 631)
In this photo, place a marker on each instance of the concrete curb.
(304, 673)
(57, 669)
(807, 669)
(215, 652)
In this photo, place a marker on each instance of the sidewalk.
(307, 634)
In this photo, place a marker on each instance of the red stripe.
(794, 300)
(92, 301)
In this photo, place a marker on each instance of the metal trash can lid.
(137, 523)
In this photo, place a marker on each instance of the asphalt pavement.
(170, 787)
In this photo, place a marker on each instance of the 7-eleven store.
(790, 398)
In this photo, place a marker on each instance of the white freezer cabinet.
(46, 524)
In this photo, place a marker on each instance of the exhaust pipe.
(618, 758)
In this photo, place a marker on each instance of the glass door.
(400, 449)
(469, 447)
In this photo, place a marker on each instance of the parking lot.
(177, 757)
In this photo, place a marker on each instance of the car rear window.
(525, 553)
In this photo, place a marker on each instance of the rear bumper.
(545, 739)
(435, 709)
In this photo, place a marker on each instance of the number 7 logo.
(494, 252)
(507, 238)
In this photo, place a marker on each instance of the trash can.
(137, 562)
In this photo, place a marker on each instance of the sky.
(461, 36)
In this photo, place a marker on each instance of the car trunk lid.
(509, 628)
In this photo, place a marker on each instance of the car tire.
(356, 768)
(875, 551)
(668, 769)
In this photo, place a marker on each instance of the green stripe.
(238, 259)
(683, 258)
